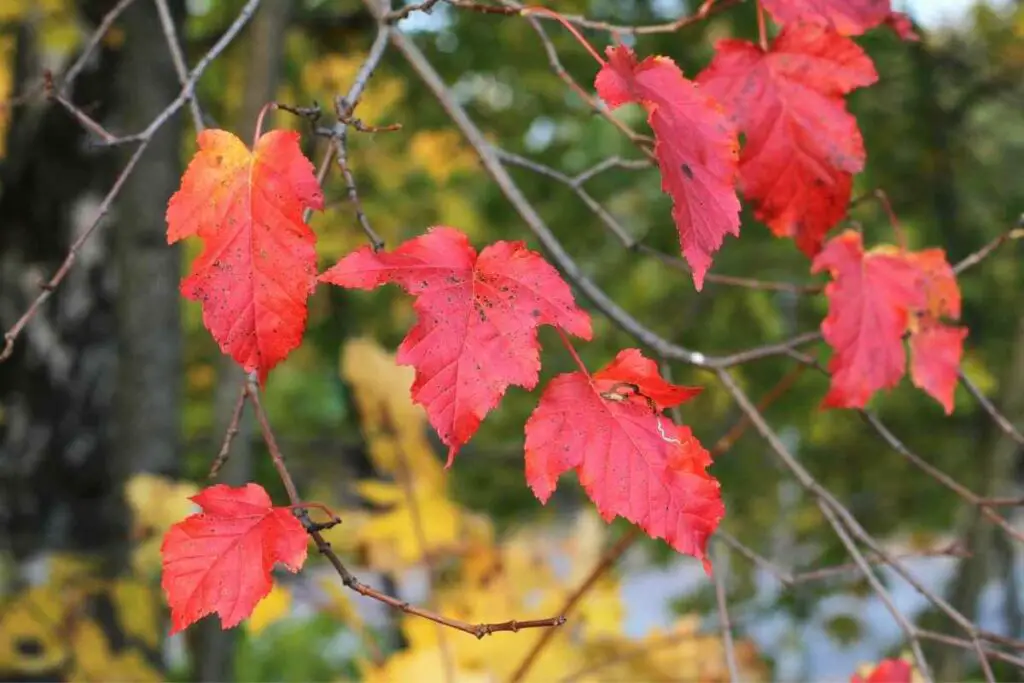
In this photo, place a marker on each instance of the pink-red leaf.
(478, 318)
(258, 264)
(695, 144)
(802, 145)
(887, 671)
(220, 560)
(877, 297)
(848, 17)
(631, 460)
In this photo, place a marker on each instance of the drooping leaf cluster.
(478, 312)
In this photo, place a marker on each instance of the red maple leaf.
(695, 145)
(220, 559)
(887, 671)
(258, 264)
(478, 318)
(631, 460)
(848, 17)
(874, 299)
(802, 145)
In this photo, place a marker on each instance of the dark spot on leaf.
(687, 171)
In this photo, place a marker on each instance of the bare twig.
(171, 36)
(230, 434)
(1001, 420)
(94, 40)
(723, 616)
(606, 562)
(983, 253)
(347, 578)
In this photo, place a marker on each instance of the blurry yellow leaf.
(394, 426)
(335, 72)
(441, 153)
(602, 611)
(421, 665)
(46, 632)
(392, 533)
(138, 607)
(274, 607)
(156, 502)
(339, 601)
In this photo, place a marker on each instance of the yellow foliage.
(393, 425)
(390, 537)
(156, 502)
(49, 630)
(680, 654)
(424, 665)
(441, 153)
(335, 72)
(273, 607)
(339, 601)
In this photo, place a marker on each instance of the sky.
(932, 13)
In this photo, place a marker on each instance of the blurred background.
(116, 400)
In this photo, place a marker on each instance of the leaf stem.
(526, 11)
(762, 32)
(572, 351)
(259, 122)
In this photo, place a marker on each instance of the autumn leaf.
(887, 671)
(631, 460)
(258, 264)
(695, 144)
(220, 560)
(478, 318)
(802, 146)
(936, 348)
(847, 17)
(875, 298)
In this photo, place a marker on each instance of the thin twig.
(606, 562)
(231, 433)
(171, 36)
(980, 255)
(347, 578)
(723, 616)
(1001, 420)
(68, 79)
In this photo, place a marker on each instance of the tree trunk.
(213, 649)
(57, 487)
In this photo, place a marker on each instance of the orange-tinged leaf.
(869, 303)
(877, 297)
(477, 320)
(220, 560)
(258, 264)
(802, 146)
(631, 460)
(695, 144)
